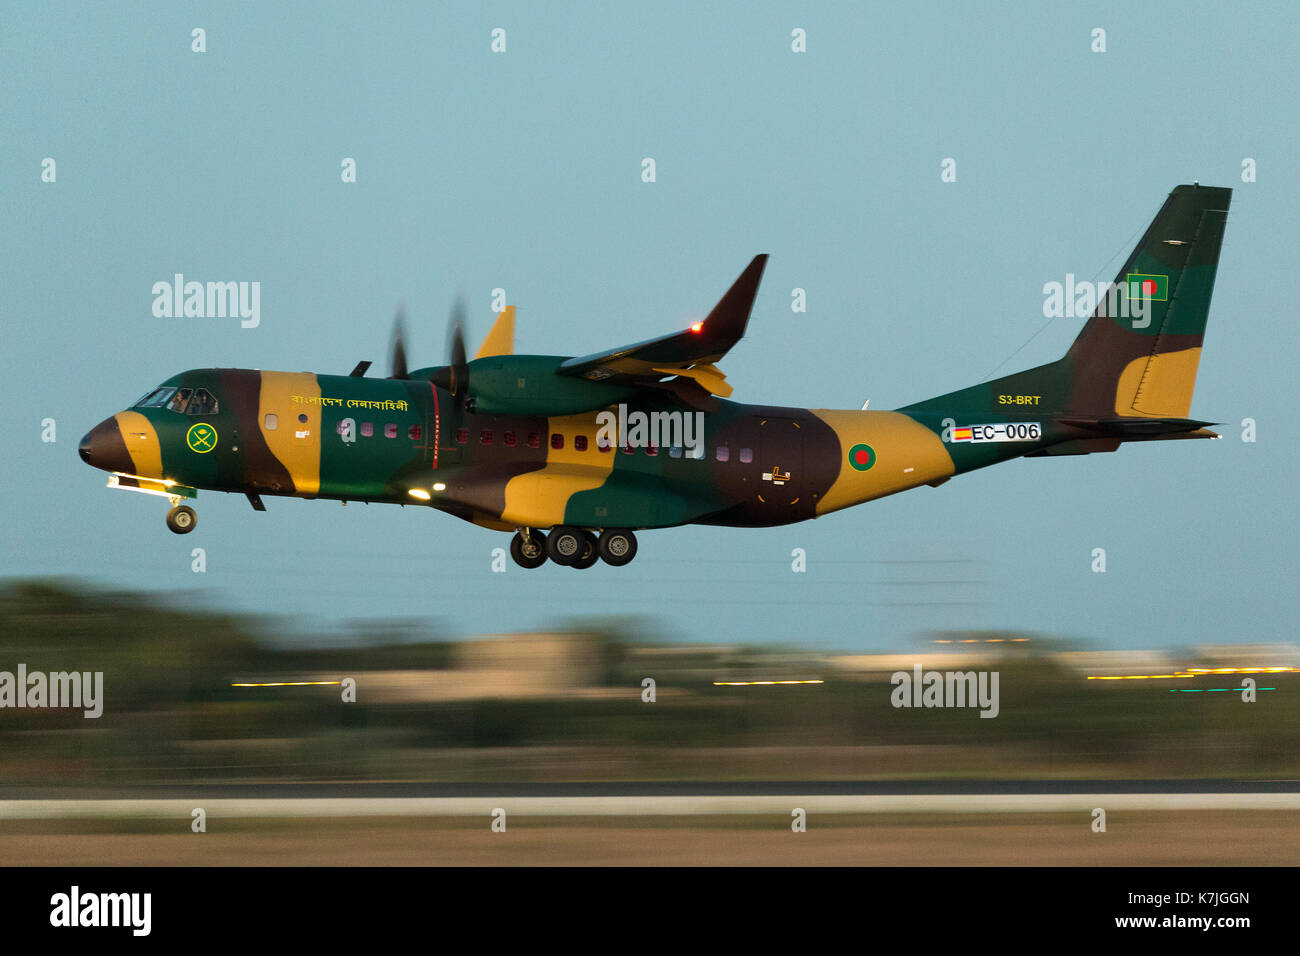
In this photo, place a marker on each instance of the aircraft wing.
(690, 353)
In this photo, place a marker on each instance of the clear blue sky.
(522, 170)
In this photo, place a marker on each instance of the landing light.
(439, 487)
(419, 493)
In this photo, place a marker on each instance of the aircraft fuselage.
(384, 440)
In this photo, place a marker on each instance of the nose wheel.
(182, 519)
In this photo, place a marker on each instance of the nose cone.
(103, 447)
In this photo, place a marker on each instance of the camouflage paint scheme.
(1117, 383)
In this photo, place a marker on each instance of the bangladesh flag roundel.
(862, 456)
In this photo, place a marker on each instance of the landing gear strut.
(182, 519)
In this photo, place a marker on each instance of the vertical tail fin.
(1137, 356)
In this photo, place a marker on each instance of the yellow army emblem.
(201, 438)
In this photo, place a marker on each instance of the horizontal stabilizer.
(1135, 427)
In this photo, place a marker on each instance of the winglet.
(731, 315)
(501, 340)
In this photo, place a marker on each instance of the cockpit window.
(202, 402)
(155, 398)
(177, 403)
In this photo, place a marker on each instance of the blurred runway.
(653, 799)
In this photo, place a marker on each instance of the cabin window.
(557, 441)
(674, 451)
(462, 436)
(203, 402)
(602, 444)
(413, 433)
(177, 404)
(390, 430)
(746, 455)
(579, 442)
(271, 421)
(485, 437)
(652, 451)
(697, 452)
(302, 419)
(722, 453)
(534, 440)
(509, 439)
(627, 448)
(367, 429)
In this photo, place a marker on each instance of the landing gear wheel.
(564, 545)
(617, 547)
(530, 553)
(590, 552)
(182, 519)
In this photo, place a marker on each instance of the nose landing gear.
(182, 519)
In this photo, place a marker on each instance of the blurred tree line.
(171, 714)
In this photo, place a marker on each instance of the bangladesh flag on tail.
(1155, 288)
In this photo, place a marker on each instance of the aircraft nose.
(103, 447)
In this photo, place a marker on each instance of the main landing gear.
(572, 547)
(528, 548)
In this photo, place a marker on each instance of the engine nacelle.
(529, 385)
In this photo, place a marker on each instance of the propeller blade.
(456, 353)
(454, 377)
(397, 364)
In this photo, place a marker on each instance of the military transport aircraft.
(574, 455)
